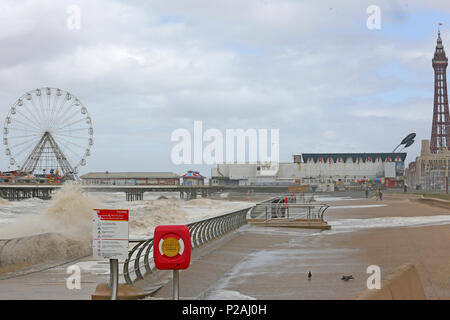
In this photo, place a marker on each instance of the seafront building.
(321, 171)
(429, 170)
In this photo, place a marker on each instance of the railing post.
(114, 277)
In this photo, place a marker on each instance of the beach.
(425, 246)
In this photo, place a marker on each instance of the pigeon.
(309, 275)
(346, 278)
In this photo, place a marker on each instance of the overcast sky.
(312, 69)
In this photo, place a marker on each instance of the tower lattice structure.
(440, 132)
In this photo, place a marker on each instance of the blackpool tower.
(440, 132)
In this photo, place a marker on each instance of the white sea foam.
(327, 199)
(348, 225)
(147, 214)
(358, 206)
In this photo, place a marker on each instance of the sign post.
(110, 241)
(172, 251)
(114, 277)
(176, 284)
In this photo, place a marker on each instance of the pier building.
(193, 178)
(131, 178)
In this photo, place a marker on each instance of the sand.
(427, 247)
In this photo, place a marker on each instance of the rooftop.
(193, 174)
(130, 175)
(354, 156)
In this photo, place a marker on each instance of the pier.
(21, 192)
(13, 192)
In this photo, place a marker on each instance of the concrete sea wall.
(21, 252)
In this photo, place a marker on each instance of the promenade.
(273, 263)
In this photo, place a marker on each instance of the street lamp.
(407, 141)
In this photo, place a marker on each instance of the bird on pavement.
(309, 275)
(346, 278)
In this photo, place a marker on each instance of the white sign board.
(389, 169)
(110, 234)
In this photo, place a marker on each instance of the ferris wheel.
(48, 131)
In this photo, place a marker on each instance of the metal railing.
(295, 208)
(298, 211)
(140, 257)
(274, 202)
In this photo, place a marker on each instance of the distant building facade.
(429, 170)
(130, 178)
(325, 170)
(355, 168)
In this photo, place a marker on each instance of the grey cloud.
(142, 76)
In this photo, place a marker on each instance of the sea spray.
(151, 213)
(63, 232)
(69, 213)
(146, 215)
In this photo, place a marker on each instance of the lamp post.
(446, 169)
(407, 141)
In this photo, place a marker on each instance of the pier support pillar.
(134, 195)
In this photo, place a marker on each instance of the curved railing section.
(291, 208)
(140, 257)
(275, 205)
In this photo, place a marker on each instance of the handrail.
(280, 209)
(140, 256)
